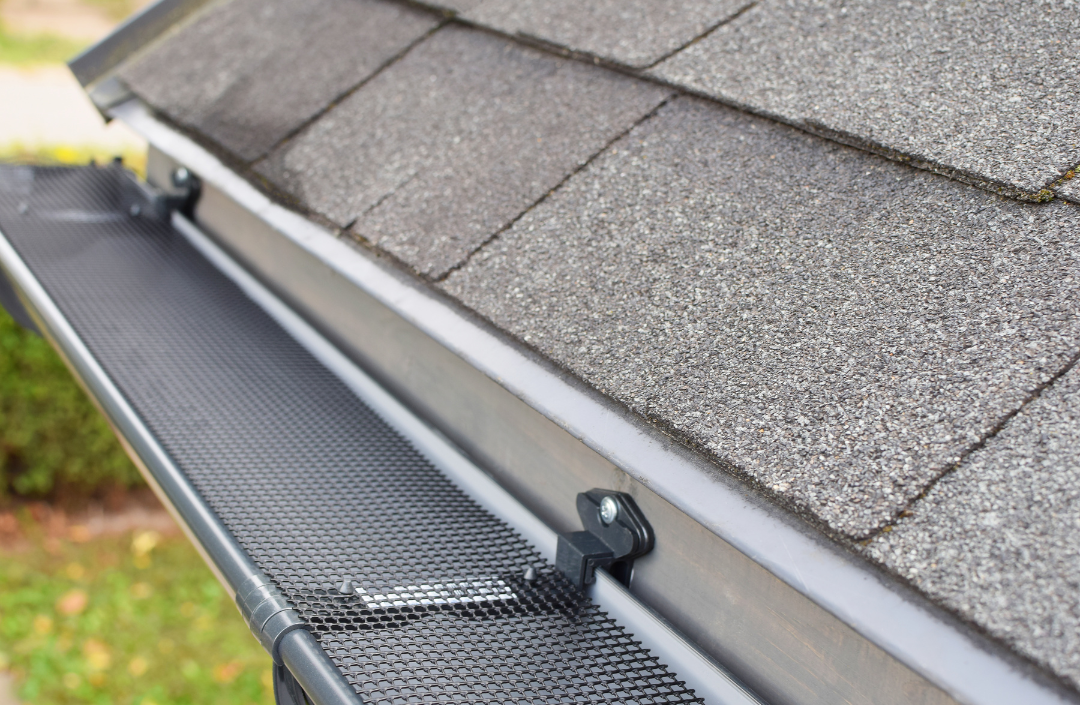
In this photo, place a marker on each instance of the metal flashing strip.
(294, 646)
(708, 680)
(970, 668)
(134, 33)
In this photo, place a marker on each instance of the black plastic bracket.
(616, 533)
(181, 195)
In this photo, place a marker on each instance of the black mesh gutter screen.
(293, 485)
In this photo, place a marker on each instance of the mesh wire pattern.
(308, 479)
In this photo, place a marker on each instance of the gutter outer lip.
(227, 559)
(917, 635)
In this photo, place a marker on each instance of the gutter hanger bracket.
(616, 533)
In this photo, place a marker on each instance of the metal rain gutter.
(932, 644)
(279, 628)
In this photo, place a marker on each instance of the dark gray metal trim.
(223, 554)
(792, 614)
(136, 32)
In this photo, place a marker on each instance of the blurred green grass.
(134, 619)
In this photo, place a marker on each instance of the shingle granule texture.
(246, 73)
(998, 540)
(456, 6)
(987, 87)
(633, 32)
(840, 327)
(1070, 190)
(450, 144)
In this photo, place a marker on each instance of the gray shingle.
(984, 87)
(633, 32)
(998, 540)
(838, 326)
(1070, 190)
(246, 73)
(454, 141)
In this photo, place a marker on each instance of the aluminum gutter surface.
(229, 562)
(959, 663)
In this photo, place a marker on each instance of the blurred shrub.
(53, 441)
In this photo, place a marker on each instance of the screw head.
(135, 211)
(609, 510)
(347, 587)
(181, 177)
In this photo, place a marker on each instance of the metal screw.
(530, 575)
(23, 208)
(346, 587)
(609, 510)
(135, 211)
(181, 177)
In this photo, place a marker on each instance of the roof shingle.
(633, 32)
(997, 539)
(450, 144)
(247, 73)
(987, 88)
(839, 327)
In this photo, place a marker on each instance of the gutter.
(273, 623)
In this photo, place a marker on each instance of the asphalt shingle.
(986, 88)
(246, 73)
(450, 144)
(633, 32)
(838, 326)
(1070, 190)
(998, 540)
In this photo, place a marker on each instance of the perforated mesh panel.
(312, 484)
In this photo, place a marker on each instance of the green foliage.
(124, 620)
(52, 439)
(28, 49)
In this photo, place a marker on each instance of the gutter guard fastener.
(267, 614)
(616, 533)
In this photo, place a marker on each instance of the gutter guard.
(909, 631)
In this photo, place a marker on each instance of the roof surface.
(883, 348)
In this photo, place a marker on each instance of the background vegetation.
(53, 442)
(122, 620)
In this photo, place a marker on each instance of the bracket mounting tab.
(616, 533)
